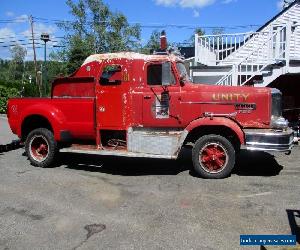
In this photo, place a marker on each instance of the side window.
(111, 75)
(154, 75)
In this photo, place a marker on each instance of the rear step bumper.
(269, 140)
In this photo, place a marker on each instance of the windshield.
(182, 71)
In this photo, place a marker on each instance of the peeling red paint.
(130, 103)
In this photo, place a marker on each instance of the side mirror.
(166, 74)
(182, 79)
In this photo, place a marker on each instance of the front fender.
(54, 115)
(218, 121)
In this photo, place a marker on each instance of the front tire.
(213, 157)
(41, 147)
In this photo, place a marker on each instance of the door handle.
(147, 97)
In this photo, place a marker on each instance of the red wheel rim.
(39, 148)
(213, 158)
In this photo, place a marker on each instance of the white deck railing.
(212, 49)
(249, 54)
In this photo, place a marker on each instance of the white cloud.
(13, 34)
(40, 28)
(185, 3)
(166, 2)
(6, 33)
(22, 18)
(29, 55)
(195, 3)
(196, 13)
(228, 1)
(9, 13)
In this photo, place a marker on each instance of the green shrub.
(5, 94)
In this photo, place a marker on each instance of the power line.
(21, 44)
(11, 46)
(141, 24)
(18, 39)
(28, 36)
(24, 44)
(37, 47)
(20, 19)
(24, 40)
(155, 25)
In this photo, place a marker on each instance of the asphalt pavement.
(92, 202)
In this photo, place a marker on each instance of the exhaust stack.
(163, 41)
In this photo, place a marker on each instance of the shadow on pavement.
(293, 217)
(256, 164)
(10, 146)
(247, 164)
(121, 165)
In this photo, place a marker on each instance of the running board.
(122, 153)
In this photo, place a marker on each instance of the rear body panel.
(75, 115)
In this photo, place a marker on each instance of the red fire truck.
(134, 105)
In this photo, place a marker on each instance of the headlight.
(277, 121)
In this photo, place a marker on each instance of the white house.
(252, 58)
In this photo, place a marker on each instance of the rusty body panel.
(200, 98)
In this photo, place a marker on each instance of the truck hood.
(249, 106)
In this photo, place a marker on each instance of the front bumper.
(269, 139)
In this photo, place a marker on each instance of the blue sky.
(14, 14)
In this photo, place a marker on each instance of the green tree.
(199, 32)
(5, 94)
(75, 53)
(95, 29)
(18, 53)
(16, 67)
(153, 43)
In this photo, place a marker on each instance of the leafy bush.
(5, 93)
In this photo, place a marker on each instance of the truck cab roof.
(130, 56)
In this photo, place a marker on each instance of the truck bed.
(75, 115)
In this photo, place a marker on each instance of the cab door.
(160, 103)
(109, 96)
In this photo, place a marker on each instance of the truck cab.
(135, 105)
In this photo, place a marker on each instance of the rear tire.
(213, 157)
(41, 147)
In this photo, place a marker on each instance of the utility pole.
(46, 38)
(34, 56)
